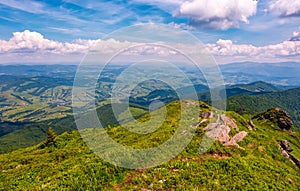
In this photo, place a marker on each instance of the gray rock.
(251, 125)
(205, 115)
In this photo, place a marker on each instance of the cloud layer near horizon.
(35, 46)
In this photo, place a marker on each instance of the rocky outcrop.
(285, 146)
(220, 129)
(250, 125)
(224, 134)
(285, 150)
(281, 118)
(205, 116)
(230, 122)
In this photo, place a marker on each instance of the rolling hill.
(253, 104)
(20, 135)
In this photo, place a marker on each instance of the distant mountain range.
(285, 74)
(280, 74)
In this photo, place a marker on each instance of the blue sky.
(262, 24)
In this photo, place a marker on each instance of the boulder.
(224, 134)
(205, 115)
(251, 125)
(237, 138)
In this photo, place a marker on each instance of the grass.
(71, 165)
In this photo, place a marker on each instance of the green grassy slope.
(70, 165)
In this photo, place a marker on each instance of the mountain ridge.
(70, 165)
(253, 104)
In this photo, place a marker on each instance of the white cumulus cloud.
(285, 8)
(30, 46)
(33, 46)
(28, 41)
(227, 50)
(219, 14)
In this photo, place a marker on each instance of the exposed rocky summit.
(281, 118)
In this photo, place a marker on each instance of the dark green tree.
(51, 135)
